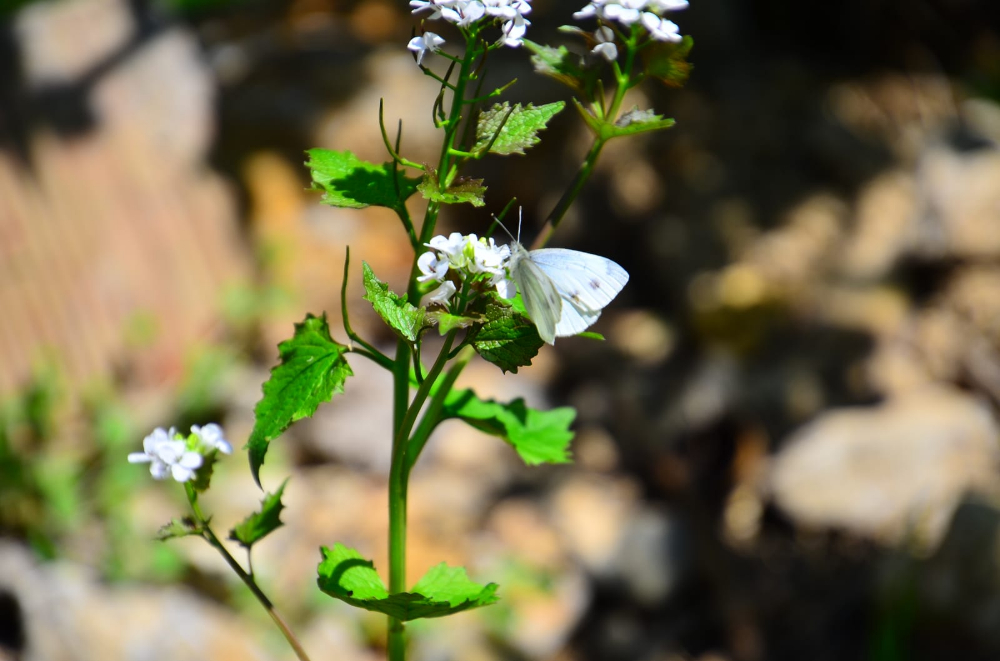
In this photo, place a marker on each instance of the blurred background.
(786, 448)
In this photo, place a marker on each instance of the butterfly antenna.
(504, 227)
(520, 217)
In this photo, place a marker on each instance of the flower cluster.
(470, 257)
(627, 12)
(170, 454)
(510, 14)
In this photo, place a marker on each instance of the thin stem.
(562, 206)
(209, 536)
(432, 416)
(370, 351)
(397, 497)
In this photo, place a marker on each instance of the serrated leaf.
(463, 189)
(668, 61)
(346, 575)
(349, 182)
(561, 64)
(519, 131)
(448, 322)
(638, 121)
(507, 339)
(537, 436)
(403, 317)
(312, 369)
(261, 523)
(179, 528)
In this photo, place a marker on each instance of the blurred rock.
(960, 202)
(592, 513)
(69, 615)
(652, 557)
(116, 241)
(895, 471)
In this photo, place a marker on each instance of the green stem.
(563, 205)
(432, 416)
(404, 414)
(209, 536)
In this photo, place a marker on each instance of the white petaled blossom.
(470, 257)
(171, 455)
(606, 46)
(442, 295)
(660, 28)
(167, 455)
(463, 13)
(629, 12)
(211, 437)
(426, 43)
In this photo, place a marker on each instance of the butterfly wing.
(540, 295)
(586, 283)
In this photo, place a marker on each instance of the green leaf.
(312, 369)
(520, 130)
(448, 322)
(668, 61)
(349, 182)
(260, 524)
(463, 189)
(508, 339)
(346, 575)
(400, 315)
(561, 64)
(638, 121)
(179, 528)
(537, 436)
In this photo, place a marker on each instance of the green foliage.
(349, 182)
(508, 339)
(403, 317)
(312, 369)
(537, 436)
(184, 527)
(564, 66)
(668, 62)
(262, 523)
(443, 590)
(518, 132)
(633, 122)
(448, 322)
(464, 189)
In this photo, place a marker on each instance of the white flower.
(660, 28)
(628, 12)
(606, 46)
(438, 8)
(505, 286)
(211, 437)
(470, 13)
(514, 30)
(621, 13)
(432, 267)
(489, 257)
(661, 6)
(167, 455)
(427, 43)
(442, 294)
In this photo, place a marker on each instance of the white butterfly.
(564, 290)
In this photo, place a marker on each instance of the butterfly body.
(564, 290)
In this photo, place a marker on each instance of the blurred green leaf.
(537, 436)
(311, 371)
(349, 182)
(519, 131)
(261, 523)
(443, 590)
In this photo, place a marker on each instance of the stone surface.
(894, 471)
(70, 615)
